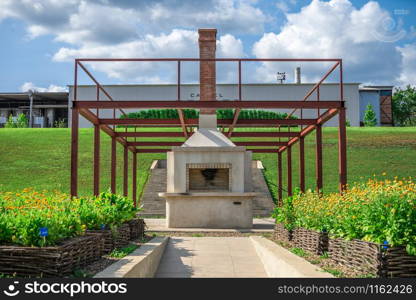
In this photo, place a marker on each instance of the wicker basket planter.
(310, 240)
(282, 234)
(136, 228)
(55, 261)
(372, 258)
(113, 239)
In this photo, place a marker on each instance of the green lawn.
(40, 158)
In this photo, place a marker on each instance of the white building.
(189, 92)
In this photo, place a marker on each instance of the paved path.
(262, 225)
(210, 257)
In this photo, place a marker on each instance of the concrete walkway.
(210, 257)
(262, 225)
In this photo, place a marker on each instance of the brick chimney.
(207, 76)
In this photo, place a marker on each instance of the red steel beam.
(86, 113)
(163, 150)
(258, 143)
(74, 152)
(235, 119)
(307, 130)
(96, 163)
(90, 116)
(302, 164)
(318, 164)
(280, 179)
(194, 122)
(149, 134)
(154, 143)
(113, 164)
(207, 104)
(210, 59)
(289, 171)
(182, 121)
(134, 178)
(342, 150)
(266, 134)
(126, 172)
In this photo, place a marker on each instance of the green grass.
(298, 251)
(121, 252)
(40, 158)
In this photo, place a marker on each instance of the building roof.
(220, 84)
(55, 96)
(376, 88)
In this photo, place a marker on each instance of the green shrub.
(377, 211)
(194, 114)
(24, 214)
(370, 116)
(21, 122)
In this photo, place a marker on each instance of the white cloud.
(163, 28)
(51, 88)
(178, 43)
(283, 6)
(334, 29)
(408, 74)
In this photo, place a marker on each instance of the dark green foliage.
(370, 116)
(245, 114)
(404, 106)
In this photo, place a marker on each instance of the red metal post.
(126, 170)
(240, 97)
(134, 178)
(318, 167)
(289, 171)
(280, 179)
(96, 159)
(74, 152)
(179, 81)
(302, 164)
(342, 150)
(113, 164)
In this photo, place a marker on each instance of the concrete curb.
(279, 262)
(141, 263)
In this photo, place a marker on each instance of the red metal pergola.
(283, 141)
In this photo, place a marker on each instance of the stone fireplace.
(208, 177)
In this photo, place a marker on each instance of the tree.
(10, 122)
(404, 106)
(370, 116)
(21, 122)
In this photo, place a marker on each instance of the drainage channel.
(226, 257)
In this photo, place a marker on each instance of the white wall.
(225, 92)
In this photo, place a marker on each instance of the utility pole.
(30, 92)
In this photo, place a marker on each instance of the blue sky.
(40, 38)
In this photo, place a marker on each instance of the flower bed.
(367, 217)
(38, 226)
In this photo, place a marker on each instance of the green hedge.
(245, 114)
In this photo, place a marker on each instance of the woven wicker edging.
(55, 261)
(313, 241)
(281, 233)
(382, 260)
(121, 236)
(366, 257)
(64, 258)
